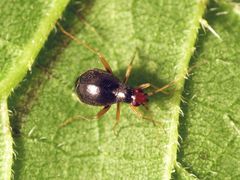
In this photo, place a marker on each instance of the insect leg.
(117, 116)
(105, 63)
(74, 118)
(129, 68)
(80, 42)
(103, 111)
(139, 114)
(144, 86)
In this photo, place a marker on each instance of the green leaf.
(182, 173)
(6, 142)
(211, 126)
(164, 39)
(164, 33)
(25, 26)
(90, 150)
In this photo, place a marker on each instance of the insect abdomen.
(97, 87)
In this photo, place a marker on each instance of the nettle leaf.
(164, 39)
(164, 34)
(210, 129)
(25, 26)
(6, 141)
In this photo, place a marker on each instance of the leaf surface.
(6, 141)
(25, 26)
(164, 39)
(211, 126)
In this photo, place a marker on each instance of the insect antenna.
(158, 90)
(162, 88)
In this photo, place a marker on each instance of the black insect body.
(101, 88)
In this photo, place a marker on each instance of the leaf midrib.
(171, 156)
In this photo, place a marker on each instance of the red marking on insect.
(139, 97)
(101, 88)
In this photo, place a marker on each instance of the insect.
(99, 87)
